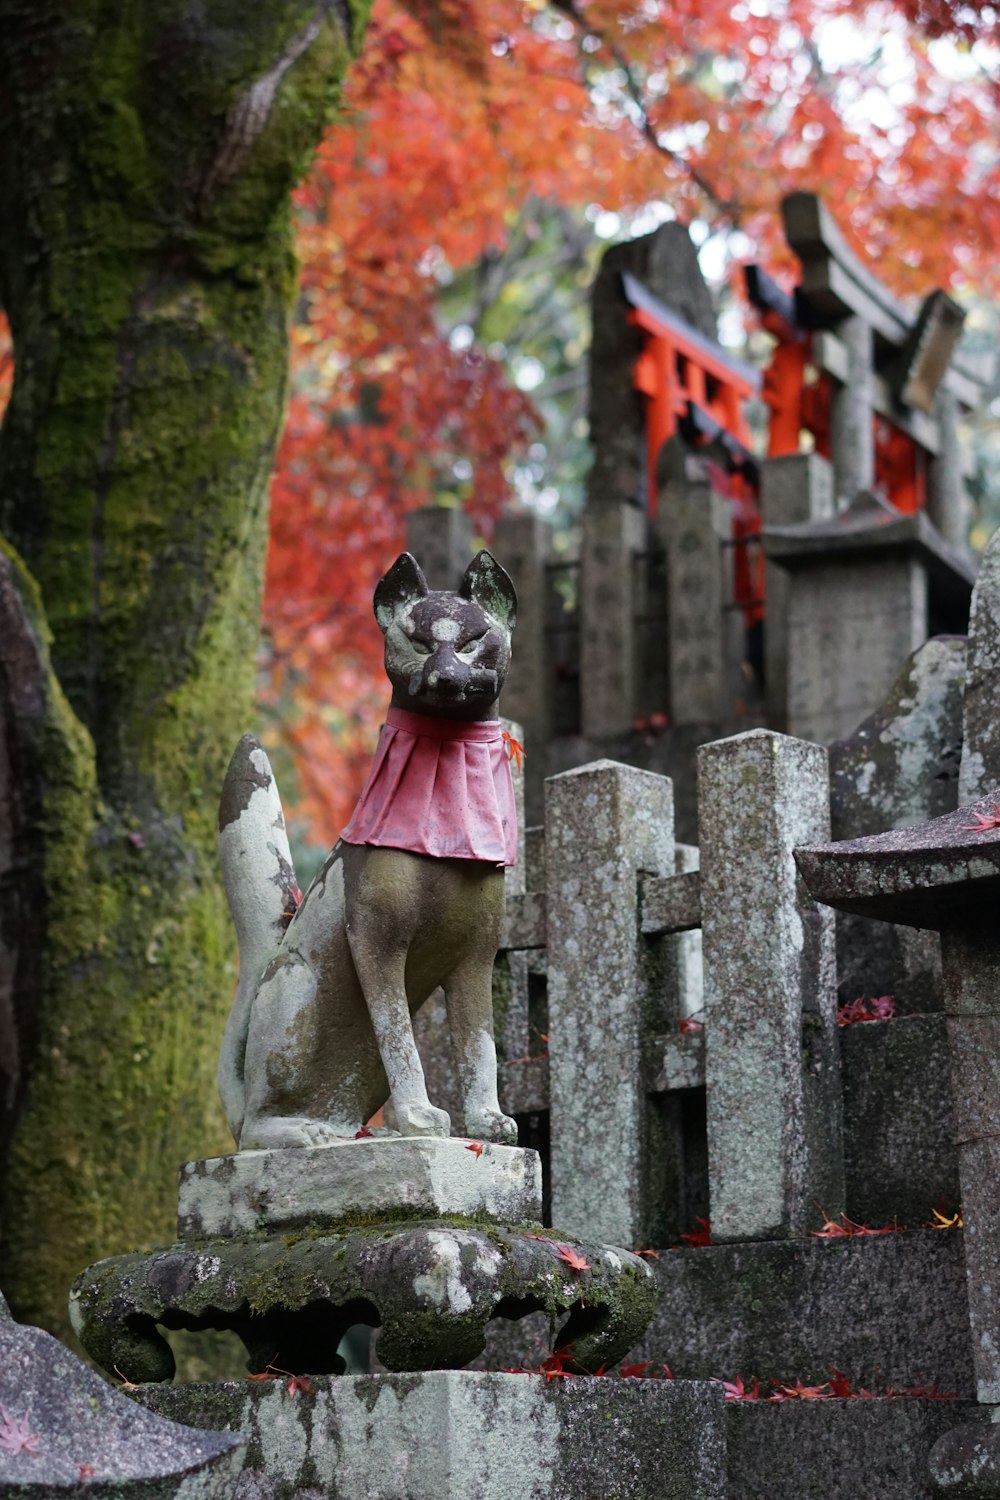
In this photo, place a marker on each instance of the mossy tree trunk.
(147, 153)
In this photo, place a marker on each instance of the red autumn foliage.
(476, 1147)
(435, 165)
(838, 1387)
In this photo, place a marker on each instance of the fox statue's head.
(447, 654)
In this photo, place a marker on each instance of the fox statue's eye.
(469, 649)
(421, 648)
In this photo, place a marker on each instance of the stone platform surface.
(379, 1177)
(839, 1450)
(456, 1435)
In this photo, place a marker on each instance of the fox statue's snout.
(411, 898)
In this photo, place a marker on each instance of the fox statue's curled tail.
(263, 896)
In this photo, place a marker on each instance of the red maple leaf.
(16, 1435)
(515, 750)
(573, 1259)
(555, 1365)
(881, 1008)
(847, 1229)
(800, 1392)
(984, 821)
(297, 1383)
(649, 1254)
(736, 1391)
(701, 1235)
(85, 1471)
(364, 1134)
(632, 1372)
(476, 1147)
(840, 1386)
(688, 1025)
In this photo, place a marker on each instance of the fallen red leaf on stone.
(364, 1134)
(85, 1471)
(575, 1261)
(650, 1254)
(297, 1383)
(847, 1229)
(631, 1372)
(701, 1235)
(16, 1435)
(476, 1147)
(800, 1392)
(736, 1391)
(984, 821)
(881, 1008)
(555, 1364)
(688, 1025)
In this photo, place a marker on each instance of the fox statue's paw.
(279, 1132)
(491, 1125)
(417, 1119)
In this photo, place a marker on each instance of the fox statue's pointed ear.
(489, 586)
(403, 582)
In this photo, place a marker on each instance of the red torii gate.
(693, 386)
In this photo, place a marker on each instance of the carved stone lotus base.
(429, 1286)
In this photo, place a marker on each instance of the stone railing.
(635, 942)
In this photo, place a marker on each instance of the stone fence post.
(440, 538)
(771, 1074)
(605, 824)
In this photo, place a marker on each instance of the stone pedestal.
(863, 591)
(290, 1249)
(382, 1177)
(469, 1436)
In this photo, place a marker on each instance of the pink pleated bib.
(438, 787)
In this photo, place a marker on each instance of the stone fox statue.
(410, 897)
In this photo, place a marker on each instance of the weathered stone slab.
(771, 1065)
(521, 543)
(796, 487)
(80, 1436)
(980, 771)
(884, 1309)
(899, 767)
(900, 1159)
(932, 875)
(455, 1436)
(604, 823)
(693, 524)
(860, 589)
(965, 1462)
(415, 1177)
(441, 536)
(836, 1450)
